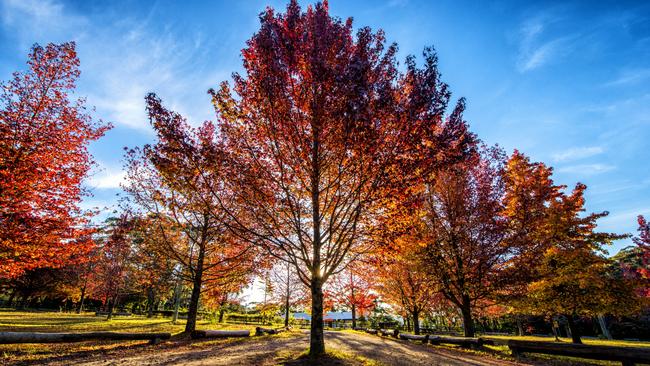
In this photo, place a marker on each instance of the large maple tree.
(44, 137)
(323, 130)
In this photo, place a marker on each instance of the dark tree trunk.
(111, 306)
(573, 327)
(151, 298)
(288, 294)
(468, 324)
(416, 322)
(192, 312)
(354, 316)
(286, 312)
(80, 308)
(317, 340)
(408, 323)
(520, 326)
(177, 300)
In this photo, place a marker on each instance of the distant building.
(332, 319)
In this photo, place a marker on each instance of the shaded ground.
(273, 350)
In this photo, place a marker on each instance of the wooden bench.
(104, 313)
(36, 337)
(389, 332)
(412, 337)
(627, 355)
(460, 341)
(372, 331)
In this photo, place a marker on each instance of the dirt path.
(266, 351)
(393, 352)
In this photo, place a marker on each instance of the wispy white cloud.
(106, 177)
(630, 76)
(34, 20)
(586, 169)
(123, 62)
(543, 54)
(537, 45)
(577, 153)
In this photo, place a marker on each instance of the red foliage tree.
(352, 290)
(114, 274)
(44, 137)
(459, 233)
(643, 241)
(323, 130)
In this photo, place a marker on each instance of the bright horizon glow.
(567, 84)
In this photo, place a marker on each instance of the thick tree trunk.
(354, 316)
(468, 324)
(416, 322)
(573, 327)
(190, 326)
(317, 340)
(151, 298)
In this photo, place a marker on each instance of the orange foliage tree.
(401, 283)
(167, 181)
(44, 137)
(559, 266)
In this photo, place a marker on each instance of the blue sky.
(567, 83)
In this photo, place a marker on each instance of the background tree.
(401, 284)
(167, 181)
(322, 129)
(572, 277)
(114, 274)
(643, 242)
(458, 231)
(288, 290)
(44, 137)
(352, 289)
(154, 270)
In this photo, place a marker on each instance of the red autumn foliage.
(353, 290)
(44, 137)
(324, 132)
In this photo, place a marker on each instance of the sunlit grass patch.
(332, 357)
(25, 321)
(599, 342)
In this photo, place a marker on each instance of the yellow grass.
(599, 342)
(19, 321)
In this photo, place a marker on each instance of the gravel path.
(265, 351)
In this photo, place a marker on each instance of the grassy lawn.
(503, 350)
(598, 342)
(20, 321)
